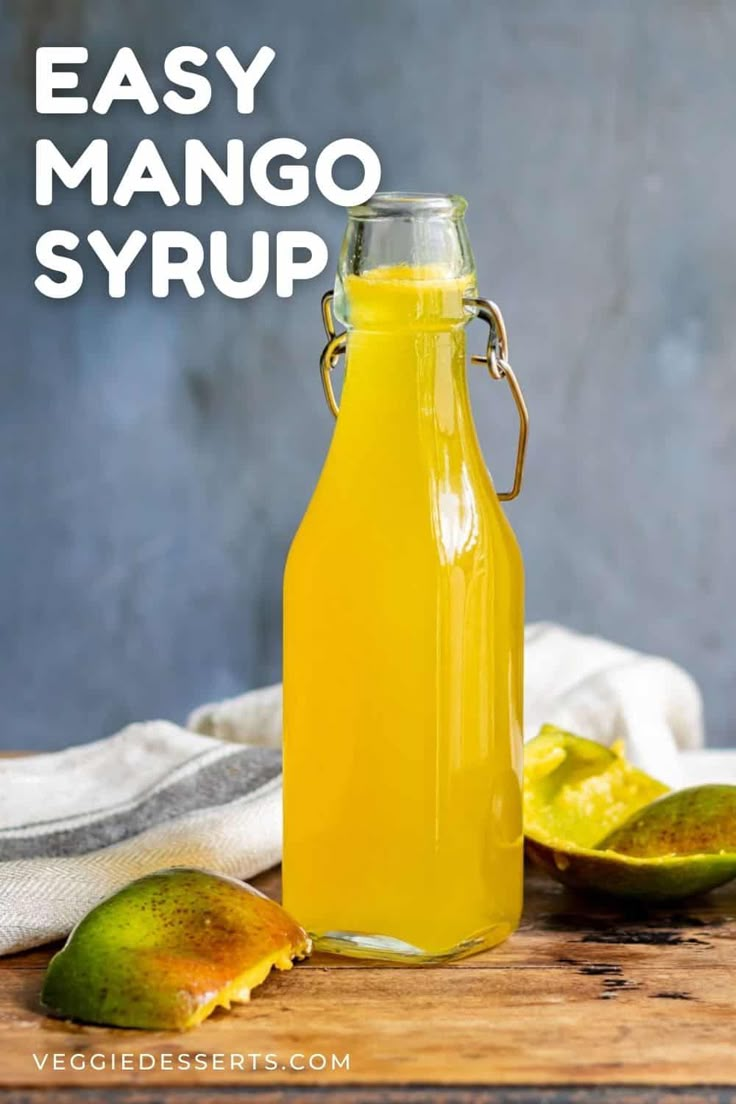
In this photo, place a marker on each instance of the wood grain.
(582, 996)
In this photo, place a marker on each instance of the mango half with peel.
(168, 949)
(598, 824)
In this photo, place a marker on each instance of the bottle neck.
(405, 396)
(405, 392)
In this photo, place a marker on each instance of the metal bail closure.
(333, 350)
(496, 360)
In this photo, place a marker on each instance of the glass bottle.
(403, 617)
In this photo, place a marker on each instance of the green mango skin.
(165, 950)
(600, 826)
(697, 821)
(608, 874)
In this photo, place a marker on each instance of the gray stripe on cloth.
(243, 772)
(73, 820)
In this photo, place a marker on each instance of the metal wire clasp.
(496, 360)
(333, 350)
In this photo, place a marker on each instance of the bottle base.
(385, 948)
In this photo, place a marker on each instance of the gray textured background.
(155, 457)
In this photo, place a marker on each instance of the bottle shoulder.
(402, 524)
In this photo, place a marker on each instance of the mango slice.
(598, 824)
(168, 949)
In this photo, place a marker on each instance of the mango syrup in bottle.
(403, 619)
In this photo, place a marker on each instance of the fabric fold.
(78, 824)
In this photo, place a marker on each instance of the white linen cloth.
(607, 692)
(76, 825)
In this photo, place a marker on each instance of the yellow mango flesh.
(598, 824)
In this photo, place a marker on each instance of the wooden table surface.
(582, 1004)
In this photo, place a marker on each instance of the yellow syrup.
(403, 609)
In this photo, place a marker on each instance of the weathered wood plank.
(387, 1094)
(583, 995)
